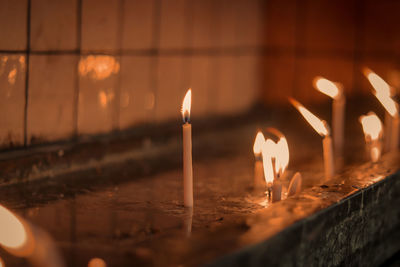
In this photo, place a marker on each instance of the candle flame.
(379, 84)
(258, 142)
(327, 87)
(268, 152)
(282, 151)
(186, 105)
(383, 92)
(282, 155)
(319, 125)
(13, 234)
(388, 103)
(372, 126)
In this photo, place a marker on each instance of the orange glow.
(186, 105)
(372, 126)
(97, 262)
(258, 142)
(1, 263)
(268, 153)
(327, 87)
(12, 232)
(98, 67)
(382, 92)
(318, 125)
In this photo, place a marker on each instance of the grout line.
(154, 61)
(28, 46)
(229, 51)
(76, 89)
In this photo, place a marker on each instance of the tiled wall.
(80, 67)
(334, 39)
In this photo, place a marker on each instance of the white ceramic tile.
(13, 16)
(12, 99)
(227, 23)
(170, 89)
(249, 28)
(100, 25)
(223, 84)
(247, 82)
(173, 23)
(204, 21)
(54, 24)
(139, 19)
(137, 96)
(97, 93)
(200, 84)
(51, 97)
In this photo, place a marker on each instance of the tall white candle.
(187, 151)
(328, 157)
(335, 91)
(383, 92)
(321, 127)
(338, 120)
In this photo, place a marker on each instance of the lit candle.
(187, 151)
(372, 127)
(383, 93)
(322, 128)
(274, 188)
(295, 185)
(258, 165)
(282, 152)
(338, 110)
(275, 160)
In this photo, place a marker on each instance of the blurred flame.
(274, 151)
(382, 91)
(186, 104)
(13, 234)
(282, 155)
(258, 142)
(388, 103)
(372, 126)
(379, 84)
(268, 152)
(327, 87)
(318, 125)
